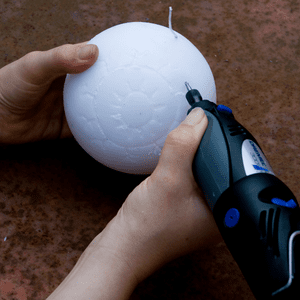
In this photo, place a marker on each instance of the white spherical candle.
(121, 109)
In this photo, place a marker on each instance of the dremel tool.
(256, 213)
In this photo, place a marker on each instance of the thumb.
(182, 143)
(45, 66)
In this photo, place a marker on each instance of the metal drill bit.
(188, 86)
(192, 95)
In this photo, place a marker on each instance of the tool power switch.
(222, 107)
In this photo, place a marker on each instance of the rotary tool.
(256, 213)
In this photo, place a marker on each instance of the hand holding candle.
(31, 93)
(163, 218)
(122, 108)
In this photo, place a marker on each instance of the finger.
(182, 143)
(39, 67)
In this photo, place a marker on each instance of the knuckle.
(182, 135)
(61, 54)
(31, 56)
(166, 180)
(58, 55)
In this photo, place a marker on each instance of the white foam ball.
(122, 108)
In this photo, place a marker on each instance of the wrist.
(100, 273)
(139, 251)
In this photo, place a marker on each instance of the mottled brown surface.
(51, 206)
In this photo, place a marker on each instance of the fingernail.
(194, 117)
(86, 52)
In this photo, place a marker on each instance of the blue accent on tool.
(232, 217)
(222, 107)
(256, 167)
(291, 203)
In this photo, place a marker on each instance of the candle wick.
(170, 22)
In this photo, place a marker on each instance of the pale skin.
(163, 218)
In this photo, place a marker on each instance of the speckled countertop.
(51, 204)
